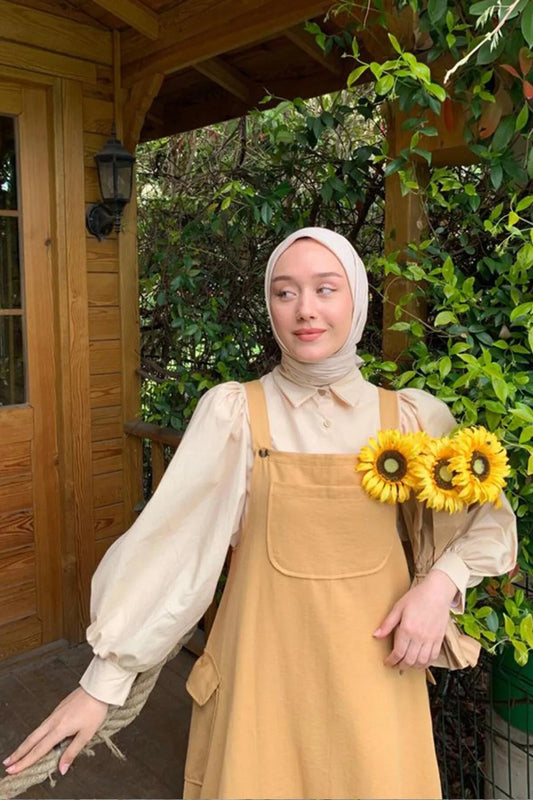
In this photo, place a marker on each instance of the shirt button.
(322, 392)
(327, 423)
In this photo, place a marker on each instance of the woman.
(312, 682)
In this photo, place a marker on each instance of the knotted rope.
(118, 717)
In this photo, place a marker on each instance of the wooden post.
(405, 222)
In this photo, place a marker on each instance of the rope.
(118, 717)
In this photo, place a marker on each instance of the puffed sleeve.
(483, 538)
(157, 580)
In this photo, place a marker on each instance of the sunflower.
(387, 463)
(434, 477)
(480, 466)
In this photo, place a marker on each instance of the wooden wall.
(95, 323)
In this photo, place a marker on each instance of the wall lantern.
(115, 176)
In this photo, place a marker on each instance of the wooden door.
(30, 556)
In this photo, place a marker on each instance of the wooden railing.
(158, 438)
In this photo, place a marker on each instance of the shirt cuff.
(456, 569)
(107, 681)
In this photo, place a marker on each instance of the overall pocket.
(327, 532)
(202, 685)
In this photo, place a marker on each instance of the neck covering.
(345, 360)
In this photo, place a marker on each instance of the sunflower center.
(443, 474)
(480, 465)
(392, 465)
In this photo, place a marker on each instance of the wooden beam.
(50, 32)
(230, 79)
(140, 99)
(36, 60)
(306, 42)
(134, 14)
(197, 30)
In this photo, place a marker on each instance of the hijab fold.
(345, 360)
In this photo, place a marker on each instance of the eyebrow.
(317, 275)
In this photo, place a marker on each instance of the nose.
(306, 306)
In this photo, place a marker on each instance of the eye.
(325, 290)
(284, 293)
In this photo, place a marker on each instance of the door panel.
(30, 555)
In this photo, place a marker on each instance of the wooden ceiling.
(212, 60)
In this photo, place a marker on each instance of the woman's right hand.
(78, 715)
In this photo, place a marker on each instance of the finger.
(27, 745)
(389, 623)
(410, 658)
(424, 656)
(41, 749)
(73, 750)
(401, 645)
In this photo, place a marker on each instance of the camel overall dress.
(291, 697)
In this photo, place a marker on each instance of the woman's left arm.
(482, 540)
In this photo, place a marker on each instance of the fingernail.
(63, 768)
(377, 632)
(11, 769)
(6, 761)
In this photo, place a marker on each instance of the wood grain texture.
(103, 289)
(15, 459)
(45, 61)
(106, 390)
(104, 323)
(16, 530)
(101, 256)
(107, 456)
(105, 356)
(16, 424)
(78, 542)
(109, 521)
(35, 188)
(98, 116)
(134, 14)
(51, 32)
(131, 354)
(18, 594)
(108, 489)
(19, 636)
(199, 29)
(106, 423)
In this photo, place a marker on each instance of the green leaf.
(501, 389)
(445, 365)
(522, 118)
(526, 435)
(524, 309)
(526, 24)
(355, 74)
(530, 339)
(524, 203)
(504, 133)
(395, 43)
(492, 622)
(526, 630)
(384, 85)
(521, 654)
(394, 166)
(444, 318)
(509, 625)
(436, 10)
(530, 163)
(496, 175)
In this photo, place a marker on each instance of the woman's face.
(310, 301)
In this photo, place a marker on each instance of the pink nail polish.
(10, 769)
(64, 768)
(6, 761)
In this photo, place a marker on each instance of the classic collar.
(347, 389)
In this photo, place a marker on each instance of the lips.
(308, 334)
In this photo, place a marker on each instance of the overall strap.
(258, 415)
(388, 409)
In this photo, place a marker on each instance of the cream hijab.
(337, 366)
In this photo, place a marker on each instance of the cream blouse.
(157, 580)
